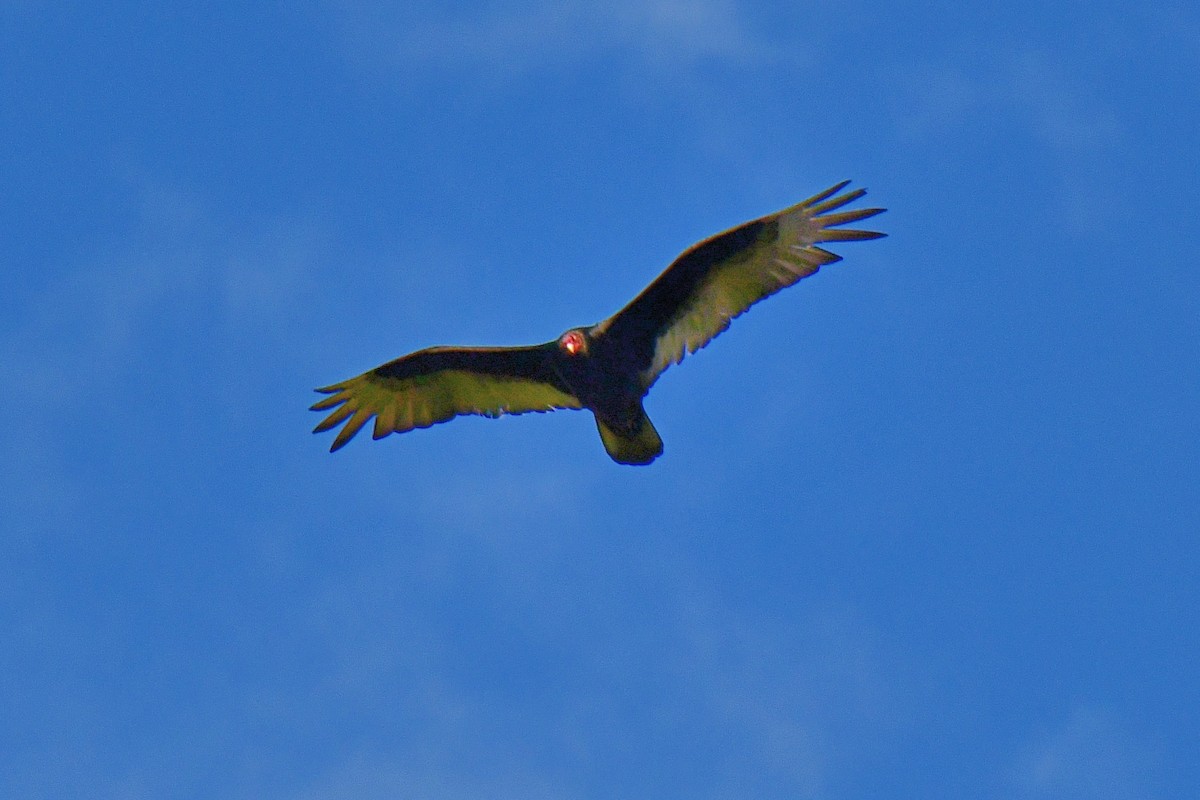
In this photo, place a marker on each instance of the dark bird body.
(608, 367)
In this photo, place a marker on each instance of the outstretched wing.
(434, 385)
(719, 278)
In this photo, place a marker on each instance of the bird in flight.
(608, 367)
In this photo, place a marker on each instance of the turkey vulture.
(609, 367)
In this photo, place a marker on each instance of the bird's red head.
(573, 343)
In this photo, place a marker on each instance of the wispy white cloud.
(85, 327)
(810, 694)
(1178, 26)
(1026, 88)
(374, 776)
(1088, 757)
(174, 285)
(1063, 113)
(767, 705)
(1027, 94)
(510, 38)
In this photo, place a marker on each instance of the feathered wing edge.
(435, 385)
(722, 276)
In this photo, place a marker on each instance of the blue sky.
(925, 525)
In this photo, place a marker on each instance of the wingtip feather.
(834, 203)
(824, 256)
(819, 196)
(351, 428)
(337, 416)
(848, 235)
(327, 403)
(842, 217)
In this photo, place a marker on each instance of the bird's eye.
(573, 343)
